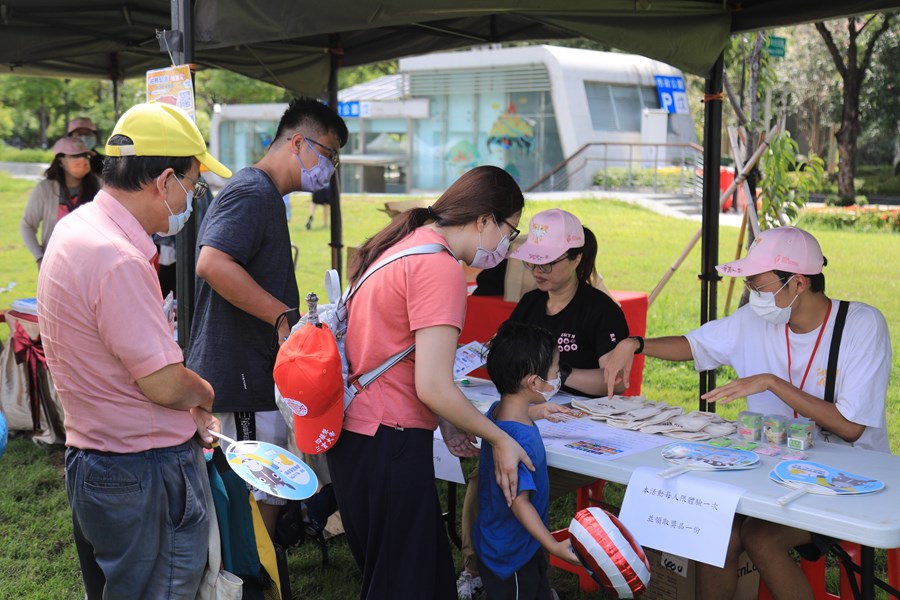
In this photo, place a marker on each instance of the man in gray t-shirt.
(245, 276)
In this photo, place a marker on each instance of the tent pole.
(337, 225)
(186, 239)
(709, 246)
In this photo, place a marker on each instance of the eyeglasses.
(513, 232)
(333, 155)
(200, 187)
(545, 268)
(758, 289)
(86, 155)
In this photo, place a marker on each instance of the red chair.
(589, 495)
(815, 574)
(485, 314)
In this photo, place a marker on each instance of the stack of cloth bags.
(639, 414)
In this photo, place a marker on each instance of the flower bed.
(859, 218)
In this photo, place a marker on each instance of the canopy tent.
(287, 43)
(298, 45)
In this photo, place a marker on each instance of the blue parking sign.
(672, 95)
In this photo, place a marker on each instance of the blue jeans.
(140, 521)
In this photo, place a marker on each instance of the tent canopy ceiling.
(287, 43)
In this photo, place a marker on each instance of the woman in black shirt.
(588, 323)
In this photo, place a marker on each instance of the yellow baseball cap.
(159, 129)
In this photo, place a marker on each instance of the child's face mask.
(555, 383)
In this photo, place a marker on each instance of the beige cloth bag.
(14, 393)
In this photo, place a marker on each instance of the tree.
(36, 102)
(880, 105)
(350, 76)
(749, 66)
(809, 87)
(852, 60)
(215, 86)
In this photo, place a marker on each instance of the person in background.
(82, 128)
(246, 280)
(381, 465)
(134, 474)
(320, 198)
(523, 363)
(779, 345)
(586, 322)
(68, 183)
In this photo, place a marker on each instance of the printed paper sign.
(468, 358)
(172, 85)
(685, 515)
(586, 438)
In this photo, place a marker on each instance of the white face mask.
(177, 222)
(556, 383)
(488, 259)
(763, 304)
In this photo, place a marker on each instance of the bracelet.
(564, 372)
(640, 342)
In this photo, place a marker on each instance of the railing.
(643, 167)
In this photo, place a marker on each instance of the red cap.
(308, 375)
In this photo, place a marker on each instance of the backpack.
(311, 367)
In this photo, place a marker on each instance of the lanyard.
(787, 340)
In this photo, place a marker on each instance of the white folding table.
(871, 520)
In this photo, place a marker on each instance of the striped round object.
(609, 552)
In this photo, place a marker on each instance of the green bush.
(27, 155)
(856, 218)
(668, 179)
(869, 181)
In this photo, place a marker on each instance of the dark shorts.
(816, 548)
(531, 582)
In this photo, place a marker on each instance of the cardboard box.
(671, 577)
(675, 578)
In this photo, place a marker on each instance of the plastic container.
(749, 425)
(775, 429)
(801, 434)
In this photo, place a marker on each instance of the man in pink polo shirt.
(132, 409)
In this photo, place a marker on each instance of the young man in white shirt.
(779, 345)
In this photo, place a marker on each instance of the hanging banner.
(172, 85)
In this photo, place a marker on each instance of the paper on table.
(480, 393)
(687, 515)
(468, 358)
(446, 466)
(585, 437)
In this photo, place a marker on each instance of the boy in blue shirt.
(510, 541)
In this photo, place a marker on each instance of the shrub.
(668, 179)
(31, 155)
(857, 218)
(869, 181)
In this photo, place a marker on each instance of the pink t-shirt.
(103, 327)
(412, 293)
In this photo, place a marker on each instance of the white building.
(525, 109)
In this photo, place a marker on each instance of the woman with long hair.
(381, 466)
(68, 183)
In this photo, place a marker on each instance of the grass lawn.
(37, 557)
